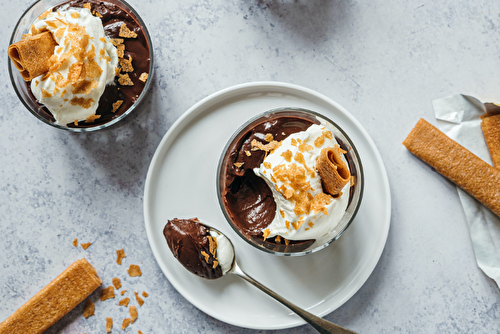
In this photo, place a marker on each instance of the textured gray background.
(384, 61)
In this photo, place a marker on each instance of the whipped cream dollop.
(224, 252)
(83, 63)
(303, 210)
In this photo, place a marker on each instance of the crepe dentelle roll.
(456, 163)
(31, 55)
(333, 170)
(54, 301)
(490, 124)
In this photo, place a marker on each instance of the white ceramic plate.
(181, 183)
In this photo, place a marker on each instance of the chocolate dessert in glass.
(290, 181)
(81, 65)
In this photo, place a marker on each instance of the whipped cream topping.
(83, 63)
(303, 210)
(225, 252)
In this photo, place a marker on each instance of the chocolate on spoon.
(192, 243)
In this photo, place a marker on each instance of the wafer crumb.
(75, 242)
(120, 254)
(88, 309)
(117, 283)
(124, 302)
(140, 301)
(117, 105)
(132, 310)
(109, 325)
(126, 32)
(134, 270)
(124, 80)
(85, 245)
(123, 292)
(145, 294)
(125, 323)
(107, 293)
(144, 77)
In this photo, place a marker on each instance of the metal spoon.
(321, 325)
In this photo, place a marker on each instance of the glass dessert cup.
(23, 91)
(298, 247)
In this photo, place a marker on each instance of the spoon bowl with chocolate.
(290, 181)
(208, 253)
(80, 65)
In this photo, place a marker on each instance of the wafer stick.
(31, 55)
(490, 124)
(332, 170)
(54, 301)
(456, 163)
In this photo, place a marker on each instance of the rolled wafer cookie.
(456, 163)
(31, 55)
(333, 170)
(490, 124)
(54, 301)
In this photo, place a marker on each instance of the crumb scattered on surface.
(117, 283)
(109, 325)
(125, 323)
(120, 254)
(75, 242)
(88, 309)
(123, 292)
(145, 294)
(124, 302)
(132, 310)
(85, 245)
(140, 301)
(134, 270)
(107, 293)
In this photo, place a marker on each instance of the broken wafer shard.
(54, 301)
(333, 170)
(31, 55)
(490, 124)
(456, 163)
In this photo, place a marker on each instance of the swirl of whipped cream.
(303, 210)
(84, 62)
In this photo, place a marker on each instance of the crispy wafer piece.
(456, 163)
(333, 170)
(51, 303)
(490, 124)
(31, 55)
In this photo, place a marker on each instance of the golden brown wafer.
(56, 299)
(332, 170)
(491, 131)
(31, 55)
(456, 163)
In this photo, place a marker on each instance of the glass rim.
(277, 111)
(144, 92)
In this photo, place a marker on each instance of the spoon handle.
(321, 325)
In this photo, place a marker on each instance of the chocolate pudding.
(248, 199)
(191, 243)
(118, 97)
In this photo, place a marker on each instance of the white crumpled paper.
(459, 117)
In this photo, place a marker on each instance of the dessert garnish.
(31, 56)
(333, 170)
(456, 163)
